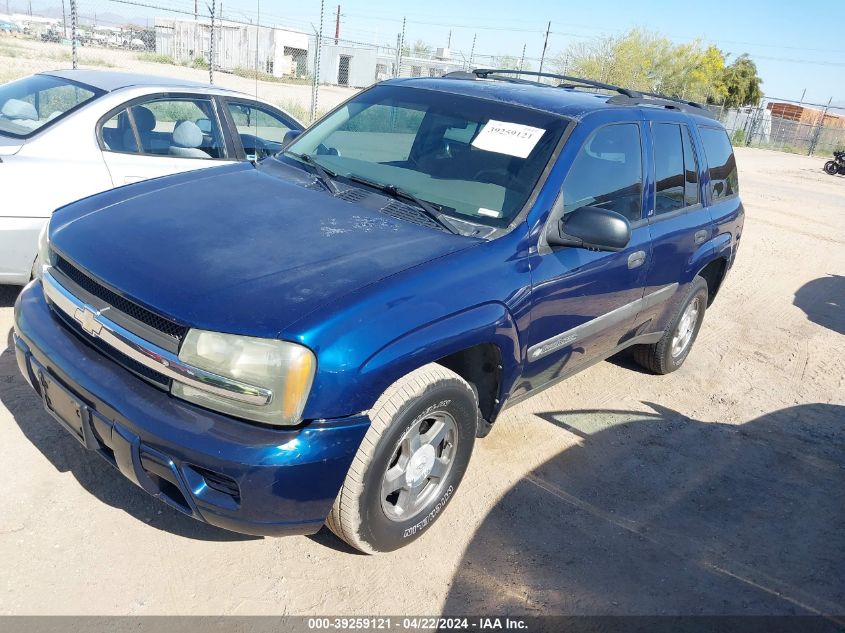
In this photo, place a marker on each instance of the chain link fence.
(787, 126)
(307, 69)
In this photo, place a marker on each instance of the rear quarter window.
(721, 163)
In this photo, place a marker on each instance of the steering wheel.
(495, 176)
(256, 143)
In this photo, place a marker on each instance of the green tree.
(742, 84)
(506, 62)
(650, 62)
(420, 49)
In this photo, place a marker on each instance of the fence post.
(212, 9)
(73, 21)
(315, 86)
(819, 129)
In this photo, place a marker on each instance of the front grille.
(150, 375)
(130, 308)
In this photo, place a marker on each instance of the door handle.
(700, 236)
(636, 259)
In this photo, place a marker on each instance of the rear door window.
(177, 127)
(724, 181)
(668, 167)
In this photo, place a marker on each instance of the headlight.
(285, 369)
(43, 258)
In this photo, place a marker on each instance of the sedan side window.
(608, 172)
(179, 128)
(262, 132)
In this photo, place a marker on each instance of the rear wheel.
(670, 352)
(830, 167)
(410, 463)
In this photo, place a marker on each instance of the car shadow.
(659, 514)
(90, 470)
(823, 301)
(8, 295)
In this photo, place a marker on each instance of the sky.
(795, 47)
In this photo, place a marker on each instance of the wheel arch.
(480, 344)
(714, 273)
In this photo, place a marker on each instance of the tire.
(830, 167)
(366, 514)
(666, 356)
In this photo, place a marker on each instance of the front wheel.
(670, 352)
(410, 463)
(830, 167)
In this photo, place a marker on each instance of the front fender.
(359, 389)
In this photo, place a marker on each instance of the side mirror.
(204, 125)
(592, 228)
(290, 135)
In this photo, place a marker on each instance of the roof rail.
(571, 82)
(626, 96)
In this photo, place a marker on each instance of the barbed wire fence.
(304, 68)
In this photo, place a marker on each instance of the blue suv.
(320, 337)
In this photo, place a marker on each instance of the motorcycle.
(837, 165)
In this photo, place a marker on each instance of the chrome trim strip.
(594, 326)
(156, 358)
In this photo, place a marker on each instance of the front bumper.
(225, 472)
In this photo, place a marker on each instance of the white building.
(278, 52)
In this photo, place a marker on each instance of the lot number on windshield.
(513, 139)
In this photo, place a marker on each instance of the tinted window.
(474, 158)
(721, 162)
(29, 104)
(179, 128)
(668, 167)
(608, 172)
(691, 165)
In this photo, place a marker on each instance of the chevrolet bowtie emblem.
(88, 320)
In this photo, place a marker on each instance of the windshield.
(29, 104)
(472, 158)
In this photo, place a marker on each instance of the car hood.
(237, 249)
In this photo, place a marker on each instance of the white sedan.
(69, 134)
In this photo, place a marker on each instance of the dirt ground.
(20, 57)
(719, 489)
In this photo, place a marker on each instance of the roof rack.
(625, 96)
(571, 82)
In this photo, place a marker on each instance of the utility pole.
(196, 11)
(30, 8)
(64, 18)
(472, 52)
(337, 26)
(545, 45)
(449, 40)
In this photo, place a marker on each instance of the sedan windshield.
(472, 158)
(29, 104)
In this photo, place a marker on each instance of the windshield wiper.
(429, 209)
(326, 177)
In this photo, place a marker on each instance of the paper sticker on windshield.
(490, 213)
(513, 139)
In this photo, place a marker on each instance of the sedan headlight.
(44, 257)
(283, 369)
